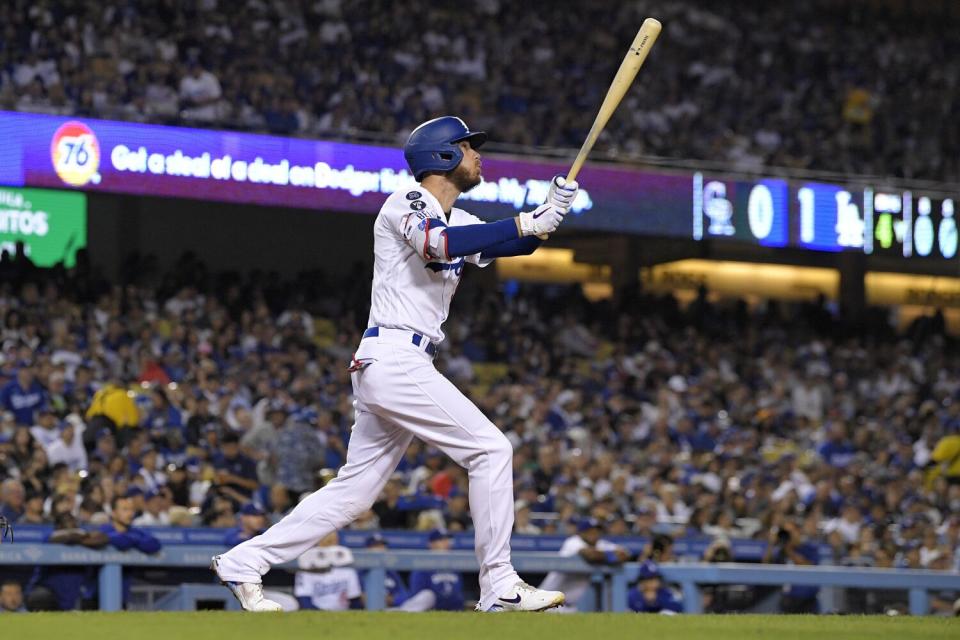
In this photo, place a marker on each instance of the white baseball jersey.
(328, 590)
(413, 279)
(574, 585)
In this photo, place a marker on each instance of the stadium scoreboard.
(825, 217)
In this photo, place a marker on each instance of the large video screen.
(153, 160)
(121, 157)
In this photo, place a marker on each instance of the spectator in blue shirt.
(649, 595)
(162, 413)
(686, 435)
(23, 395)
(837, 450)
(236, 473)
(121, 534)
(437, 590)
(253, 522)
(396, 590)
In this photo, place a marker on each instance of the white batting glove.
(544, 219)
(562, 193)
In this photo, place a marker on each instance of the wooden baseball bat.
(631, 64)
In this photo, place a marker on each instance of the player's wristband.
(611, 557)
(469, 239)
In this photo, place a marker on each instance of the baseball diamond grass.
(214, 625)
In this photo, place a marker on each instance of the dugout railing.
(613, 582)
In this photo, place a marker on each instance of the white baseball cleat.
(523, 597)
(248, 594)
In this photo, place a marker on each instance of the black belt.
(415, 338)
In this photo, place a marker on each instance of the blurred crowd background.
(200, 394)
(862, 87)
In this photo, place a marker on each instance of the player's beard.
(462, 180)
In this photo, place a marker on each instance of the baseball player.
(421, 245)
(325, 580)
(649, 595)
(435, 590)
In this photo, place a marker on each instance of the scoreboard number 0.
(923, 234)
(760, 211)
(947, 235)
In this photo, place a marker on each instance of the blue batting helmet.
(433, 145)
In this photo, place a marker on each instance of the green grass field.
(467, 626)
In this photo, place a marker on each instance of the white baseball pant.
(399, 395)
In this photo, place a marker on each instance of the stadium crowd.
(819, 85)
(217, 400)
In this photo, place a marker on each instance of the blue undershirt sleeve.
(516, 247)
(469, 239)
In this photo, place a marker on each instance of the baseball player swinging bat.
(422, 243)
